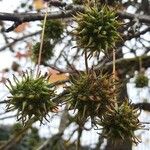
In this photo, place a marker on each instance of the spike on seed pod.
(31, 97)
(97, 29)
(120, 122)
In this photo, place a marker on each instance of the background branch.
(20, 18)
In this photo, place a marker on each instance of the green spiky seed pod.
(90, 94)
(53, 29)
(31, 97)
(141, 81)
(47, 52)
(120, 122)
(97, 29)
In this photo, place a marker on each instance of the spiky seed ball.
(47, 52)
(119, 123)
(97, 29)
(31, 97)
(141, 81)
(90, 94)
(53, 29)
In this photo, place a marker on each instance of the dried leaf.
(21, 27)
(38, 4)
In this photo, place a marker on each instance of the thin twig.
(114, 73)
(4, 102)
(8, 117)
(17, 137)
(42, 39)
(79, 138)
(17, 40)
(86, 61)
(140, 64)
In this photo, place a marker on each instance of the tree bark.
(119, 146)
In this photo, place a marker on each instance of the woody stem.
(86, 61)
(41, 44)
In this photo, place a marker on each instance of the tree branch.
(17, 137)
(126, 63)
(71, 10)
(137, 35)
(15, 25)
(16, 17)
(8, 117)
(19, 39)
(144, 106)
